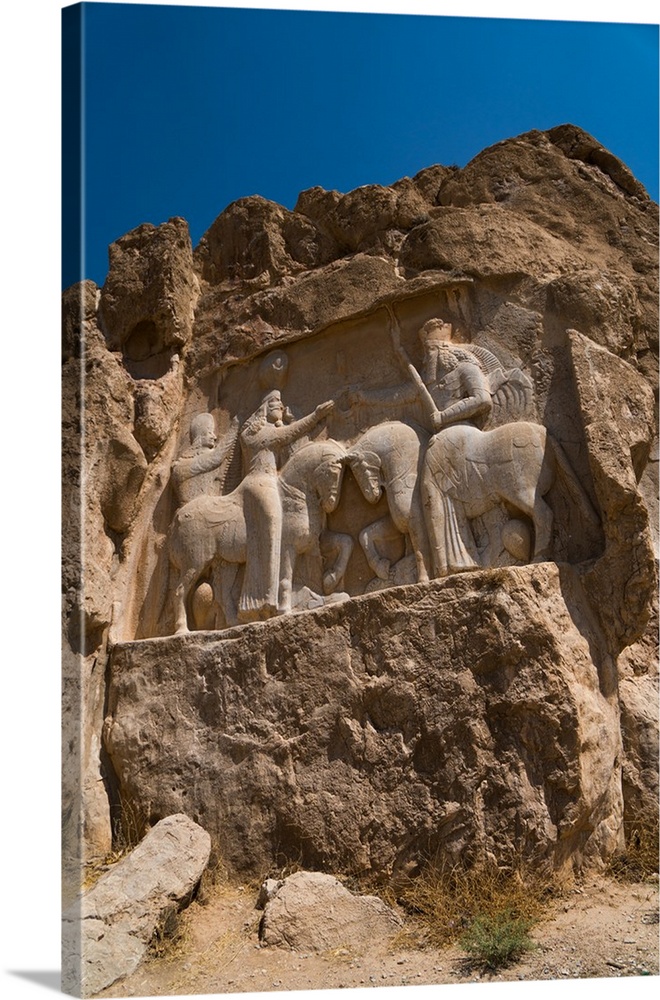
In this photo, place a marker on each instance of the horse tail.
(573, 484)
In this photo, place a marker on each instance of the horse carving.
(467, 472)
(208, 534)
(387, 458)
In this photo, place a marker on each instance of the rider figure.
(195, 471)
(264, 437)
(458, 387)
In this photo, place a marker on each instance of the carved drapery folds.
(366, 463)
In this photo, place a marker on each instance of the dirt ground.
(599, 928)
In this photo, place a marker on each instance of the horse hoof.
(382, 569)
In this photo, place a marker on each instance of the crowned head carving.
(436, 331)
(202, 431)
(440, 354)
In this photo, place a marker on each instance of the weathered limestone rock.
(114, 468)
(639, 700)
(429, 181)
(367, 217)
(268, 317)
(598, 301)
(339, 290)
(106, 933)
(509, 170)
(541, 256)
(489, 241)
(311, 911)
(579, 145)
(649, 487)
(79, 304)
(464, 717)
(639, 726)
(316, 202)
(103, 468)
(254, 236)
(156, 404)
(148, 299)
(618, 415)
(564, 182)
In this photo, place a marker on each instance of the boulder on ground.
(107, 931)
(315, 912)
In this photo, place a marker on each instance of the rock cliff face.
(477, 713)
(465, 716)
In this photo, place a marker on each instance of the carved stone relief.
(468, 398)
(423, 457)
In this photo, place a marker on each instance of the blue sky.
(189, 108)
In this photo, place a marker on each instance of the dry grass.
(640, 859)
(216, 879)
(94, 868)
(446, 901)
(171, 937)
(129, 826)
(128, 830)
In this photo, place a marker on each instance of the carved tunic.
(196, 472)
(462, 394)
(262, 446)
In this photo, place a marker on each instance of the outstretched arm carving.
(274, 436)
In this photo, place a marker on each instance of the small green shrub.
(446, 900)
(494, 940)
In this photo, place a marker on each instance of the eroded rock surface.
(107, 931)
(312, 911)
(147, 302)
(638, 697)
(542, 254)
(466, 717)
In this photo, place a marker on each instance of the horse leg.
(542, 517)
(224, 577)
(534, 506)
(334, 543)
(536, 464)
(378, 531)
(181, 593)
(287, 563)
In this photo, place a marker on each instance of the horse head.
(366, 467)
(329, 474)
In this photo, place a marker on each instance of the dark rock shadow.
(585, 620)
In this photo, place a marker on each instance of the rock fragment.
(312, 911)
(107, 931)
